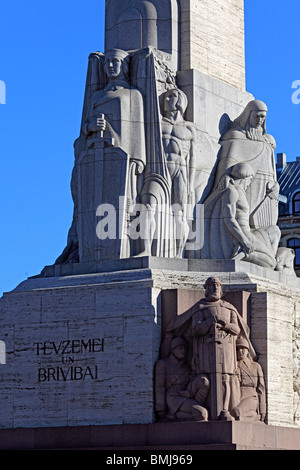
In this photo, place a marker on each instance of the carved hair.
(182, 101)
(242, 170)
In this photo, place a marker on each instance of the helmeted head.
(242, 346)
(179, 347)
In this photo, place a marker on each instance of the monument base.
(192, 436)
(81, 348)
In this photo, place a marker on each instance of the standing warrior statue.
(113, 115)
(212, 328)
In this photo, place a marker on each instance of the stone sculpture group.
(141, 173)
(210, 371)
(242, 210)
(137, 153)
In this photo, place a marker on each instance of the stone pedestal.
(82, 340)
(81, 348)
(167, 438)
(79, 351)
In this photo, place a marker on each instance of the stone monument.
(171, 317)
(216, 334)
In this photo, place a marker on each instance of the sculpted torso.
(176, 140)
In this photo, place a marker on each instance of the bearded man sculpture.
(246, 143)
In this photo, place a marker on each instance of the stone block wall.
(79, 354)
(212, 39)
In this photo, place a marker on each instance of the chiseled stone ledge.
(185, 436)
(169, 264)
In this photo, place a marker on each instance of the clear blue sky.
(44, 48)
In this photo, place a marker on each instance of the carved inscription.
(67, 352)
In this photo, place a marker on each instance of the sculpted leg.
(179, 211)
(191, 410)
(225, 415)
(148, 231)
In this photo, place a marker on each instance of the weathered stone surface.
(86, 352)
(136, 24)
(198, 34)
(212, 39)
(82, 339)
(134, 153)
(124, 308)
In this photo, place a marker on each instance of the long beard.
(254, 133)
(215, 296)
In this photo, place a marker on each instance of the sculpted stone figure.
(285, 260)
(177, 397)
(252, 400)
(247, 142)
(178, 180)
(228, 234)
(212, 328)
(113, 115)
(117, 111)
(215, 327)
(242, 210)
(178, 138)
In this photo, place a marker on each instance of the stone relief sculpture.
(168, 191)
(285, 260)
(178, 139)
(113, 116)
(178, 142)
(134, 118)
(177, 397)
(228, 234)
(215, 328)
(132, 104)
(247, 142)
(117, 110)
(252, 398)
(246, 168)
(221, 357)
